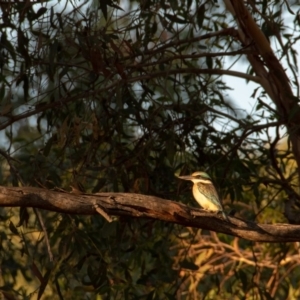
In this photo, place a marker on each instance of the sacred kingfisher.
(204, 192)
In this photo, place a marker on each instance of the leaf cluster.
(99, 97)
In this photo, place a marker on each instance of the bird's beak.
(188, 177)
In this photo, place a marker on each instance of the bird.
(205, 193)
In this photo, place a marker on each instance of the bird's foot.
(224, 215)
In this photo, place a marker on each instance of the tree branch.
(273, 77)
(196, 71)
(142, 206)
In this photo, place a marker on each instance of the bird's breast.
(204, 201)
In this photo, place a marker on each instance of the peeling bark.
(142, 206)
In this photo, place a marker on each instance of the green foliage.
(109, 98)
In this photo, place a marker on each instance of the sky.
(241, 91)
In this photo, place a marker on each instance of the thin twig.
(40, 219)
(101, 212)
(36, 211)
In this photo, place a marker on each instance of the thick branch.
(272, 75)
(142, 206)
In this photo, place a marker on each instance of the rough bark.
(142, 206)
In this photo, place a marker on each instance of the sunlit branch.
(142, 206)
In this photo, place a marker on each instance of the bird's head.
(196, 177)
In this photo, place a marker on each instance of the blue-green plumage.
(209, 191)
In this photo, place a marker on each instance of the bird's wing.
(210, 193)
